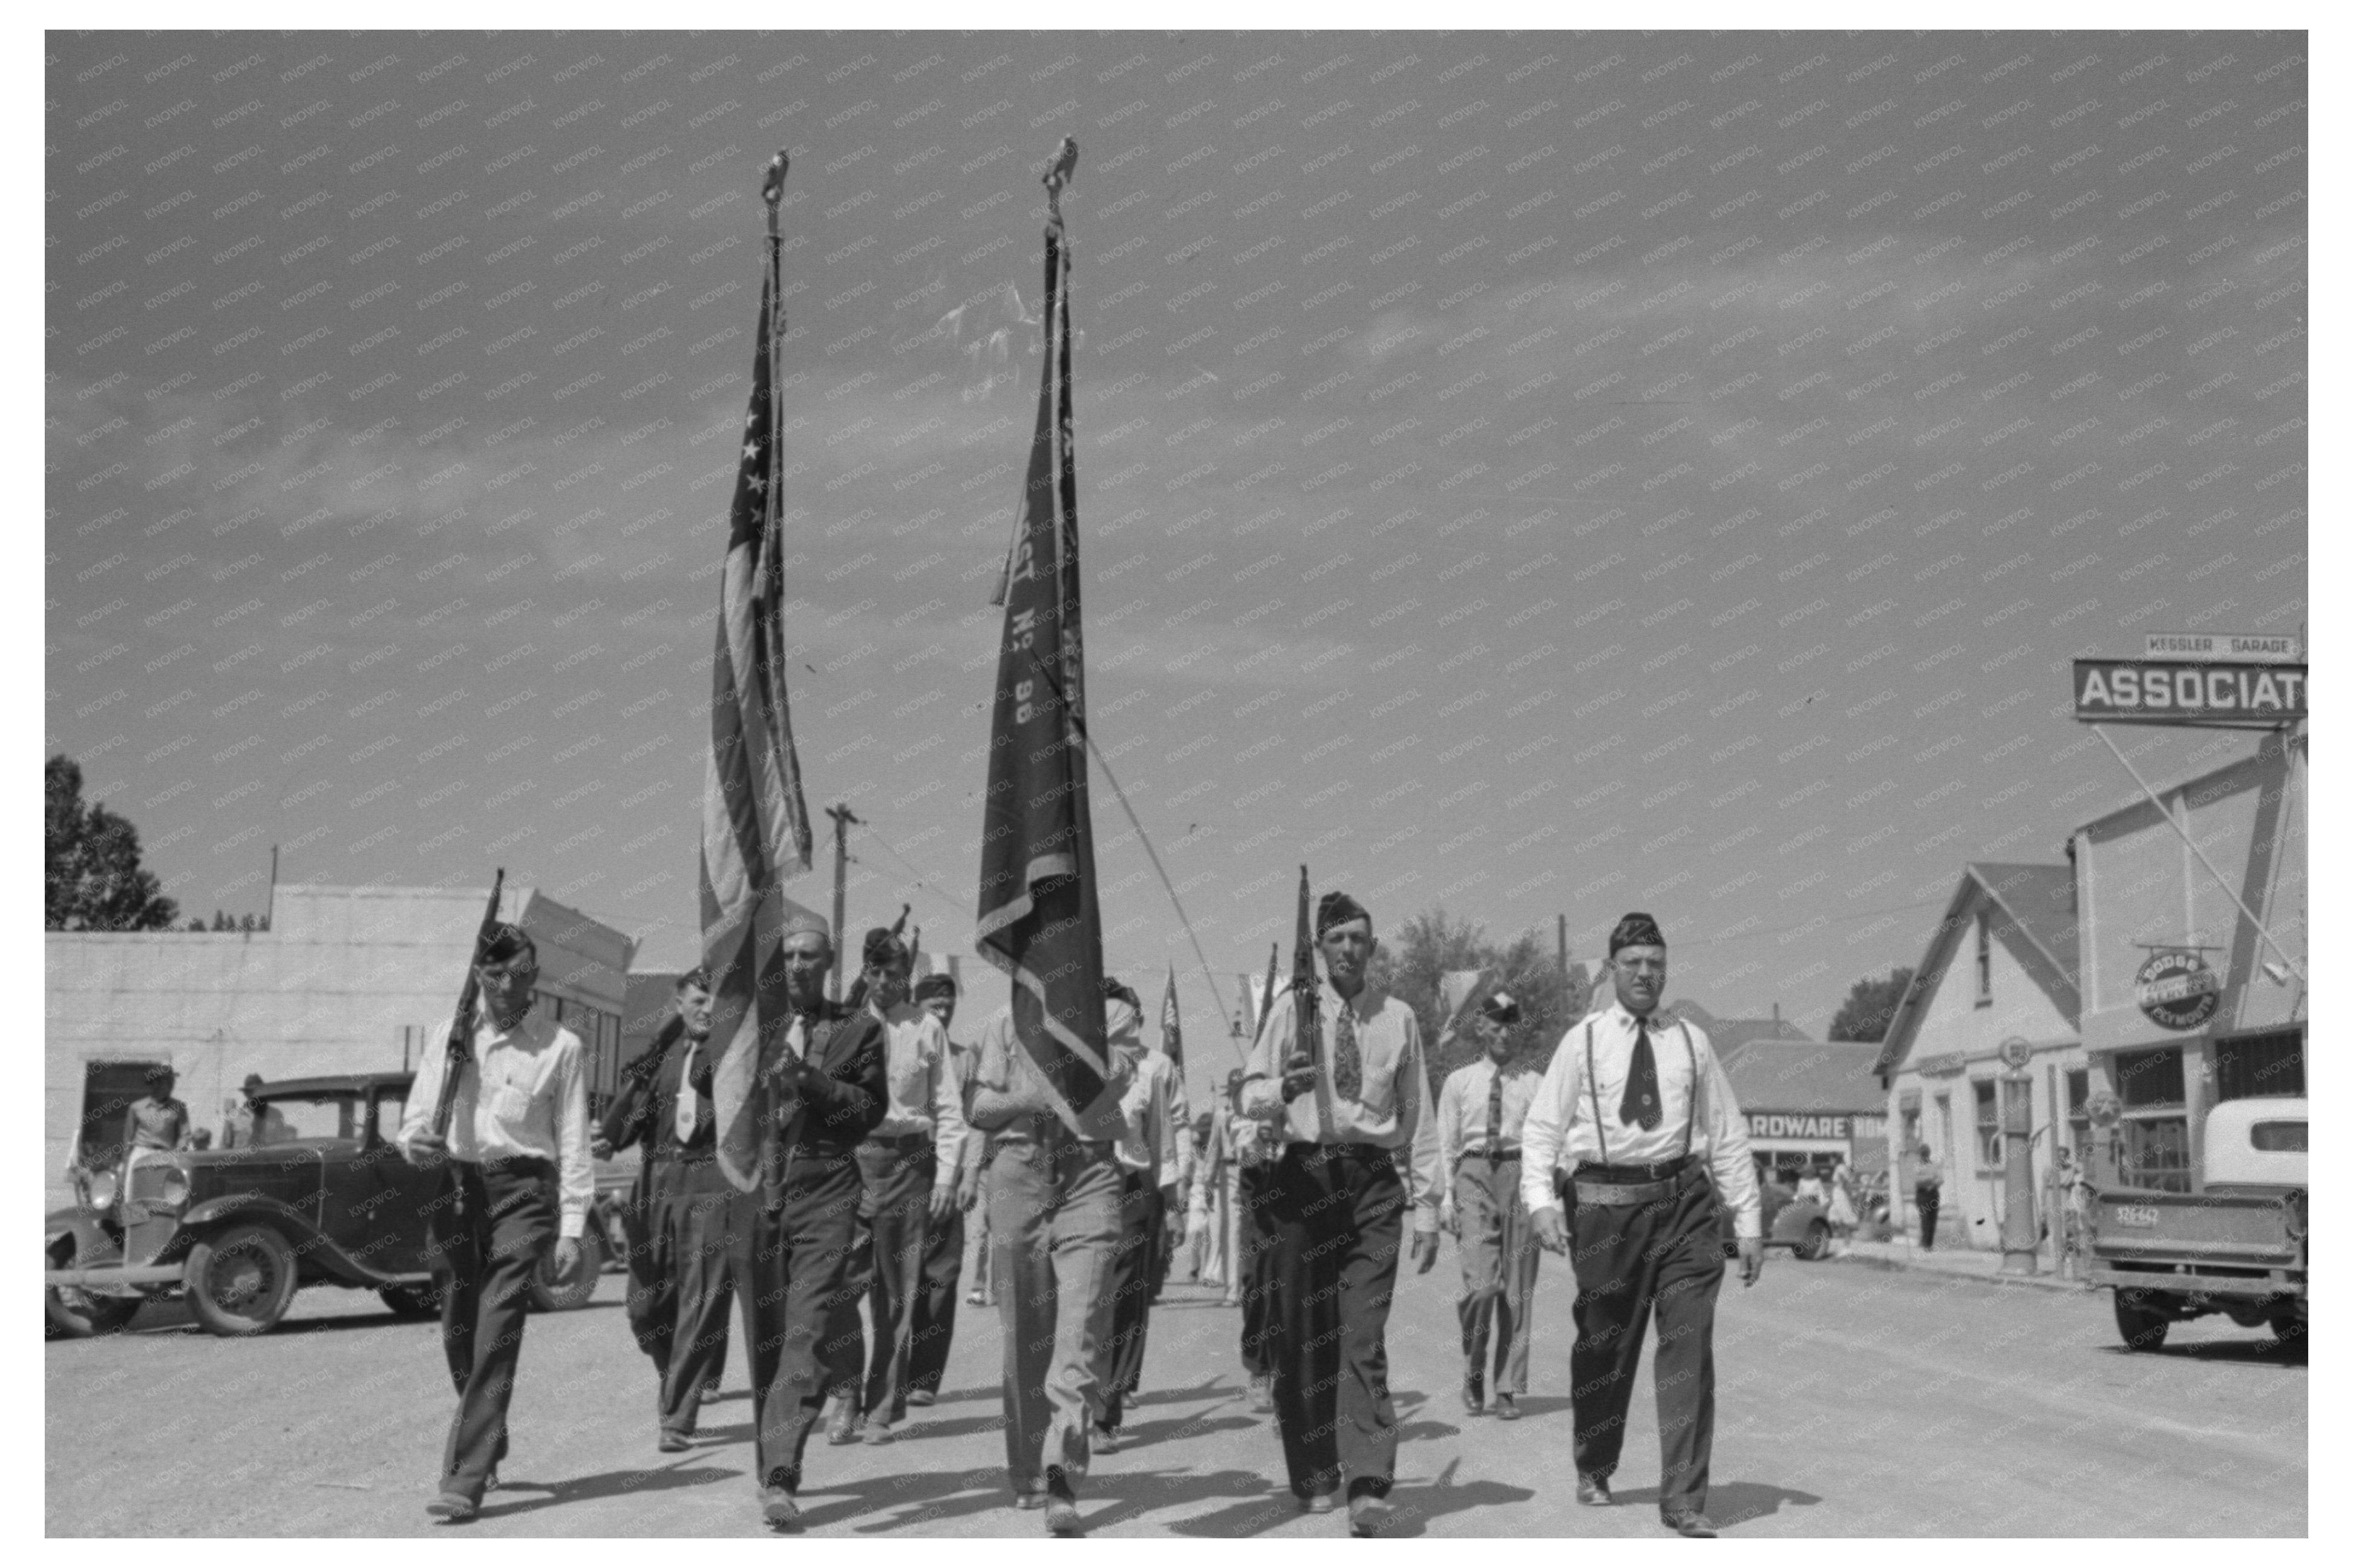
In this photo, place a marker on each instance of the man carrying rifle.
(1352, 1106)
(520, 1180)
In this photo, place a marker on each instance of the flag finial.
(772, 188)
(1066, 163)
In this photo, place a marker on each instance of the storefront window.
(2157, 1153)
(2252, 1065)
(2147, 1079)
(1989, 1126)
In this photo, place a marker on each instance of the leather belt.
(1495, 1156)
(1622, 1195)
(897, 1140)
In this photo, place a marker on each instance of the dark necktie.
(1495, 1111)
(1641, 1105)
(1347, 1067)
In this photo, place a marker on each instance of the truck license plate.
(2137, 1215)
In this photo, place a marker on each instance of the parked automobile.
(2239, 1244)
(1801, 1224)
(321, 1196)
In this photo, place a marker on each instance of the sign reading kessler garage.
(2177, 990)
(2173, 691)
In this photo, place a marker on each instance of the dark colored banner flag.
(1038, 919)
(756, 828)
(2166, 691)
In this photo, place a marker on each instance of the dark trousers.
(677, 1312)
(1337, 1218)
(1925, 1200)
(1253, 1194)
(1133, 1267)
(789, 1276)
(483, 1249)
(1631, 1260)
(936, 1305)
(886, 1271)
(650, 1302)
(1497, 1245)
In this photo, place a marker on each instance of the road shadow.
(607, 1484)
(1417, 1505)
(1732, 1502)
(1173, 1430)
(1254, 1504)
(909, 1497)
(2283, 1353)
(1539, 1404)
(1213, 1388)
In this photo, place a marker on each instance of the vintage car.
(321, 1196)
(1799, 1224)
(2239, 1245)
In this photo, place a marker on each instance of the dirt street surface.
(1851, 1400)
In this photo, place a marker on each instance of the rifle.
(1304, 997)
(857, 997)
(462, 1025)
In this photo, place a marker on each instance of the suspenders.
(1593, 1091)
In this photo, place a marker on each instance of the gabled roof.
(1827, 1076)
(1726, 1033)
(2039, 899)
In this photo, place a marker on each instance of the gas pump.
(2020, 1249)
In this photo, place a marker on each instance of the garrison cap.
(806, 922)
(1337, 908)
(1502, 1007)
(882, 949)
(1636, 930)
(508, 941)
(935, 986)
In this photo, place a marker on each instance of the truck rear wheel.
(2140, 1323)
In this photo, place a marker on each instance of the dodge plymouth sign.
(2176, 691)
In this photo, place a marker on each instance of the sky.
(1525, 475)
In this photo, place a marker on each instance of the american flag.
(756, 828)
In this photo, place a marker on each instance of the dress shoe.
(491, 1481)
(1261, 1392)
(1106, 1440)
(843, 1427)
(1474, 1399)
(453, 1507)
(922, 1397)
(1028, 1500)
(672, 1442)
(1688, 1522)
(711, 1389)
(1593, 1491)
(1322, 1502)
(880, 1432)
(1505, 1410)
(778, 1512)
(1367, 1514)
(975, 1299)
(1062, 1503)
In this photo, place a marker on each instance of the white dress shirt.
(1561, 1130)
(1155, 1139)
(1392, 1107)
(525, 1092)
(1463, 1107)
(920, 1083)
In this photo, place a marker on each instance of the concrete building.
(346, 979)
(2001, 963)
(2185, 1004)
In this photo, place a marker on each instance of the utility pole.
(842, 818)
(1564, 945)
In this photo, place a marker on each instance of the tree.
(1429, 946)
(1870, 1006)
(94, 881)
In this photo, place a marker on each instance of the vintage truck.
(2239, 1245)
(319, 1196)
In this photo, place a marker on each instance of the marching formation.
(878, 1137)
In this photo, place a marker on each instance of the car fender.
(312, 1250)
(92, 1243)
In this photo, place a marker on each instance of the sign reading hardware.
(2174, 691)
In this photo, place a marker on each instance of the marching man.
(1638, 1114)
(1480, 1115)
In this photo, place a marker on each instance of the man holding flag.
(1044, 1083)
(1154, 1152)
(798, 1080)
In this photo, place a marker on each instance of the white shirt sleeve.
(948, 1131)
(576, 1173)
(1728, 1149)
(416, 1116)
(1545, 1134)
